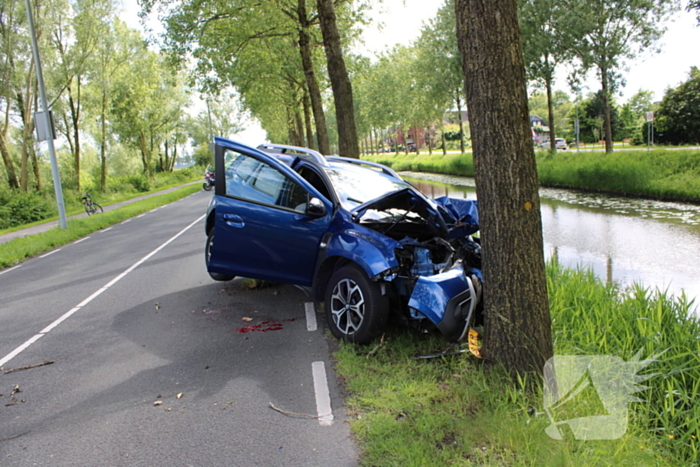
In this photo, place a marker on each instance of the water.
(654, 243)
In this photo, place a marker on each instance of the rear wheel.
(207, 186)
(356, 311)
(207, 256)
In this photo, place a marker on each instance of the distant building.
(540, 129)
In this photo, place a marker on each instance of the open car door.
(268, 220)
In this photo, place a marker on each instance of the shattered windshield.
(356, 185)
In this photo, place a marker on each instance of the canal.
(622, 240)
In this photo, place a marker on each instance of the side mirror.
(316, 208)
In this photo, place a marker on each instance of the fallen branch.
(48, 362)
(374, 350)
(296, 415)
(15, 436)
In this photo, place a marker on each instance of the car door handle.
(234, 220)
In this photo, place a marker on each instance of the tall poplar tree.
(517, 328)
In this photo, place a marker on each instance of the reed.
(456, 410)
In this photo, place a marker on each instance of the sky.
(400, 22)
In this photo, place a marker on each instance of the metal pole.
(45, 106)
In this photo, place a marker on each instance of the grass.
(457, 410)
(19, 249)
(672, 175)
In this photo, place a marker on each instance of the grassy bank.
(672, 175)
(457, 410)
(19, 249)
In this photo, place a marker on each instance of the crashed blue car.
(353, 233)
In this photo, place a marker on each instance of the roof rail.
(386, 170)
(294, 151)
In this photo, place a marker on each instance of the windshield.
(356, 185)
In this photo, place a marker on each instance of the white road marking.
(96, 294)
(19, 349)
(141, 215)
(128, 220)
(81, 240)
(310, 316)
(107, 229)
(11, 269)
(323, 397)
(50, 253)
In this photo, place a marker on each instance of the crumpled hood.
(462, 215)
(408, 200)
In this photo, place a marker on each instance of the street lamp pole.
(47, 122)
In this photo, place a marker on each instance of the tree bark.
(517, 328)
(550, 111)
(607, 119)
(74, 105)
(461, 123)
(340, 81)
(311, 83)
(9, 165)
(103, 142)
(307, 121)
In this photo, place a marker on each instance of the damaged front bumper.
(449, 300)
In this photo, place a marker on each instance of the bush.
(140, 182)
(23, 208)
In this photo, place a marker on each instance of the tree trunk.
(300, 128)
(607, 119)
(311, 83)
(103, 142)
(9, 165)
(517, 328)
(340, 81)
(550, 111)
(74, 106)
(307, 121)
(461, 124)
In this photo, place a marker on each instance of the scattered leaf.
(157, 306)
(179, 396)
(247, 319)
(158, 403)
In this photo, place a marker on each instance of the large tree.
(517, 328)
(544, 47)
(679, 112)
(340, 81)
(604, 33)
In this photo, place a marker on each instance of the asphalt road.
(155, 364)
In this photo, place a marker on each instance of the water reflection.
(623, 240)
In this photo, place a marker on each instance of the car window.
(251, 179)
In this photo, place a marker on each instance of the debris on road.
(48, 362)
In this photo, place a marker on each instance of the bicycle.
(91, 207)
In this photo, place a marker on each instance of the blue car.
(351, 232)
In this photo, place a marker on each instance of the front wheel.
(96, 208)
(207, 256)
(356, 311)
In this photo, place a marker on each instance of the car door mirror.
(316, 208)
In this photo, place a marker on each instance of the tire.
(207, 186)
(356, 311)
(96, 208)
(207, 255)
